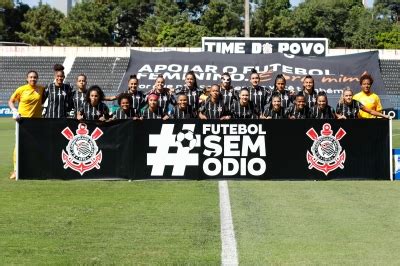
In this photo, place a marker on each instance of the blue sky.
(35, 2)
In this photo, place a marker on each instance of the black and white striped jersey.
(214, 110)
(259, 95)
(125, 114)
(349, 110)
(228, 97)
(286, 98)
(275, 114)
(59, 100)
(79, 98)
(192, 94)
(177, 113)
(165, 100)
(326, 113)
(293, 111)
(90, 112)
(310, 99)
(146, 113)
(138, 100)
(240, 111)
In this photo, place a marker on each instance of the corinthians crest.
(82, 152)
(326, 153)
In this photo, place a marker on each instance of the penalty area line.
(229, 251)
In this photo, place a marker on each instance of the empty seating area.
(107, 72)
(13, 72)
(390, 70)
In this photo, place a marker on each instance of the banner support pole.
(16, 150)
(390, 149)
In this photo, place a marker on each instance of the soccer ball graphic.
(186, 139)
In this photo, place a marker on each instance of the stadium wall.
(125, 51)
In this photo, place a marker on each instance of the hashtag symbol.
(162, 157)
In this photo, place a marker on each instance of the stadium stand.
(13, 72)
(390, 70)
(107, 72)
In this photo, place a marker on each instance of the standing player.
(227, 92)
(279, 89)
(79, 94)
(94, 108)
(322, 110)
(165, 98)
(275, 110)
(125, 110)
(191, 90)
(214, 107)
(29, 98)
(58, 95)
(182, 109)
(153, 110)
(348, 108)
(369, 99)
(138, 98)
(259, 95)
(244, 108)
(299, 110)
(309, 92)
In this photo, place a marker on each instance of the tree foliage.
(41, 25)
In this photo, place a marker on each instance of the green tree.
(361, 28)
(166, 12)
(5, 5)
(388, 7)
(389, 40)
(181, 34)
(13, 18)
(323, 18)
(89, 23)
(221, 20)
(272, 18)
(41, 25)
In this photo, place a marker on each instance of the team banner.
(331, 74)
(194, 149)
(242, 45)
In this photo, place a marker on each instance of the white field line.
(229, 252)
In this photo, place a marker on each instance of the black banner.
(240, 45)
(195, 149)
(331, 74)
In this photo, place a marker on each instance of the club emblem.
(82, 153)
(326, 153)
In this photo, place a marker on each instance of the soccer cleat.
(13, 175)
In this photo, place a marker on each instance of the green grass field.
(100, 222)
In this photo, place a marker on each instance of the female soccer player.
(226, 90)
(29, 98)
(94, 108)
(125, 110)
(79, 95)
(275, 110)
(367, 98)
(279, 89)
(299, 110)
(322, 110)
(309, 92)
(244, 108)
(258, 94)
(182, 110)
(191, 90)
(214, 107)
(165, 98)
(153, 110)
(58, 95)
(138, 98)
(350, 108)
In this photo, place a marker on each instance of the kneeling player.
(152, 111)
(275, 110)
(322, 110)
(93, 108)
(244, 108)
(214, 107)
(182, 110)
(299, 110)
(125, 110)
